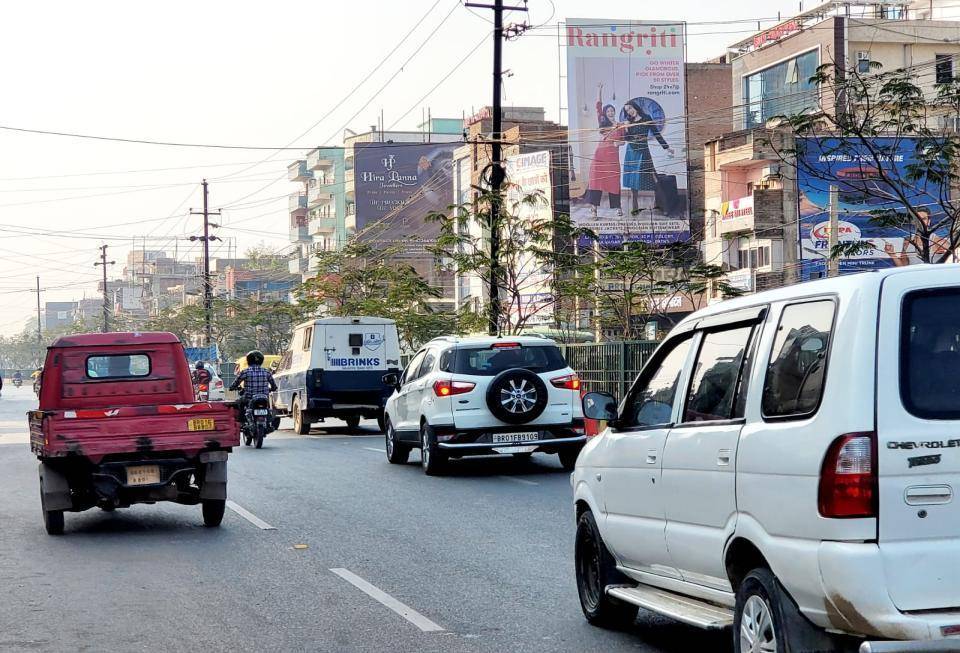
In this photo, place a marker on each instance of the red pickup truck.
(118, 424)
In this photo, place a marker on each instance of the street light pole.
(207, 286)
(39, 326)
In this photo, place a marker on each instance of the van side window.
(797, 371)
(930, 353)
(716, 375)
(307, 338)
(651, 401)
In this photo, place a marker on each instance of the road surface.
(326, 547)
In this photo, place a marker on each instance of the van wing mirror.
(600, 406)
(391, 379)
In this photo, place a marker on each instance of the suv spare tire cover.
(517, 396)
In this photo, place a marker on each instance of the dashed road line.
(385, 599)
(522, 481)
(375, 449)
(250, 517)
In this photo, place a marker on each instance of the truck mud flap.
(214, 481)
(55, 489)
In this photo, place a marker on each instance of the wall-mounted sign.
(776, 33)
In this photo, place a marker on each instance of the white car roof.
(486, 341)
(842, 286)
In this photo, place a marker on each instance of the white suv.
(484, 395)
(787, 464)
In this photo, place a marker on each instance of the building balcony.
(318, 159)
(324, 225)
(297, 202)
(760, 211)
(299, 233)
(350, 223)
(318, 195)
(745, 147)
(348, 177)
(298, 171)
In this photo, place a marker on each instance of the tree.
(537, 267)
(884, 127)
(265, 257)
(361, 279)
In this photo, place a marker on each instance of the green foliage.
(361, 279)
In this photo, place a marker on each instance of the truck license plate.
(200, 425)
(525, 436)
(143, 474)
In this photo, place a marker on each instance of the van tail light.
(447, 388)
(848, 480)
(568, 382)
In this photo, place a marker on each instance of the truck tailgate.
(95, 433)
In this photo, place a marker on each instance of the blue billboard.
(870, 212)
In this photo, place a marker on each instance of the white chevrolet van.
(787, 464)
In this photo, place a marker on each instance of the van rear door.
(918, 438)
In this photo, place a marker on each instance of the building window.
(944, 68)
(863, 62)
(781, 89)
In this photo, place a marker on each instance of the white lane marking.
(250, 517)
(522, 481)
(379, 595)
(375, 449)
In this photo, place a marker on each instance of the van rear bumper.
(857, 601)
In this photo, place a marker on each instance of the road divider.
(385, 599)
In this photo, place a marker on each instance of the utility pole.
(207, 286)
(39, 328)
(497, 172)
(833, 263)
(106, 303)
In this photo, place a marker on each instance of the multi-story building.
(750, 191)
(58, 314)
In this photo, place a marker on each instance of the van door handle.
(925, 495)
(723, 458)
(651, 456)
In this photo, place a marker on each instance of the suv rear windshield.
(930, 354)
(484, 361)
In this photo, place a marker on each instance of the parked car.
(118, 425)
(334, 368)
(786, 463)
(215, 389)
(484, 395)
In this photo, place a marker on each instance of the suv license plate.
(525, 436)
(260, 411)
(200, 425)
(143, 474)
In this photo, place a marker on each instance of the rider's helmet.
(199, 365)
(255, 358)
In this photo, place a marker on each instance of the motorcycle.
(258, 421)
(203, 391)
(17, 383)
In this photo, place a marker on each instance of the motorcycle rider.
(201, 374)
(17, 377)
(256, 380)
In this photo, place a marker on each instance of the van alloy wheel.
(757, 633)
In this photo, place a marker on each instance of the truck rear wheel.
(52, 519)
(213, 510)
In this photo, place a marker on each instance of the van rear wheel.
(52, 519)
(300, 424)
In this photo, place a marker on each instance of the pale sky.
(239, 73)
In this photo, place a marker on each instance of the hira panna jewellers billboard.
(627, 129)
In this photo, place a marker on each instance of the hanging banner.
(530, 197)
(627, 129)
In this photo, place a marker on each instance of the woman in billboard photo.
(639, 174)
(605, 167)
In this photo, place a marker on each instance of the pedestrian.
(605, 167)
(639, 174)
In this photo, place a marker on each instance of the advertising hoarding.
(396, 186)
(862, 197)
(628, 133)
(530, 196)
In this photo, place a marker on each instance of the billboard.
(628, 133)
(528, 178)
(864, 200)
(396, 186)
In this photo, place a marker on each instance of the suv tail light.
(568, 382)
(446, 387)
(848, 480)
(218, 383)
